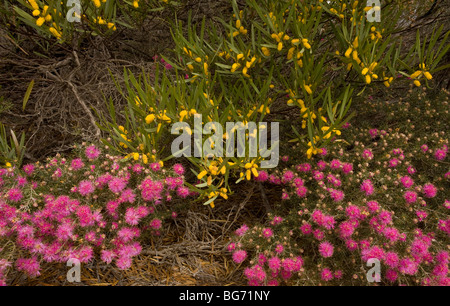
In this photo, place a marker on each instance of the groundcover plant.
(335, 111)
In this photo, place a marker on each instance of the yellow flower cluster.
(239, 27)
(423, 71)
(368, 72)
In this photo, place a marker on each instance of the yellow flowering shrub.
(63, 19)
(312, 56)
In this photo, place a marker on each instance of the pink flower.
(267, 232)
(373, 206)
(107, 256)
(440, 154)
(318, 234)
(15, 195)
(242, 230)
(326, 274)
(373, 133)
(291, 265)
(391, 259)
(442, 257)
(178, 169)
(124, 262)
(151, 190)
(367, 154)
(367, 187)
(279, 249)
(391, 275)
(92, 152)
(318, 175)
(77, 164)
(353, 212)
(117, 184)
(239, 256)
(306, 228)
(301, 191)
(276, 220)
(372, 252)
(303, 167)
(346, 229)
(347, 168)
(326, 249)
(335, 164)
(391, 233)
(131, 216)
(29, 265)
(447, 204)
(183, 192)
(28, 169)
(407, 266)
(422, 215)
(336, 195)
(156, 224)
(393, 162)
(407, 181)
(155, 166)
(411, 170)
(410, 196)
(321, 165)
(424, 148)
(429, 190)
(274, 264)
(262, 176)
(351, 244)
(86, 187)
(65, 231)
(288, 176)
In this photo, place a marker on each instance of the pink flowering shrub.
(93, 206)
(380, 195)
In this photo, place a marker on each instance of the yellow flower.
(280, 46)
(150, 118)
(265, 51)
(202, 174)
(40, 21)
(55, 32)
(348, 52)
(417, 83)
(308, 89)
(416, 74)
(306, 43)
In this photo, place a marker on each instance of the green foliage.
(314, 57)
(12, 150)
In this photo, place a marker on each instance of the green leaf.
(27, 94)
